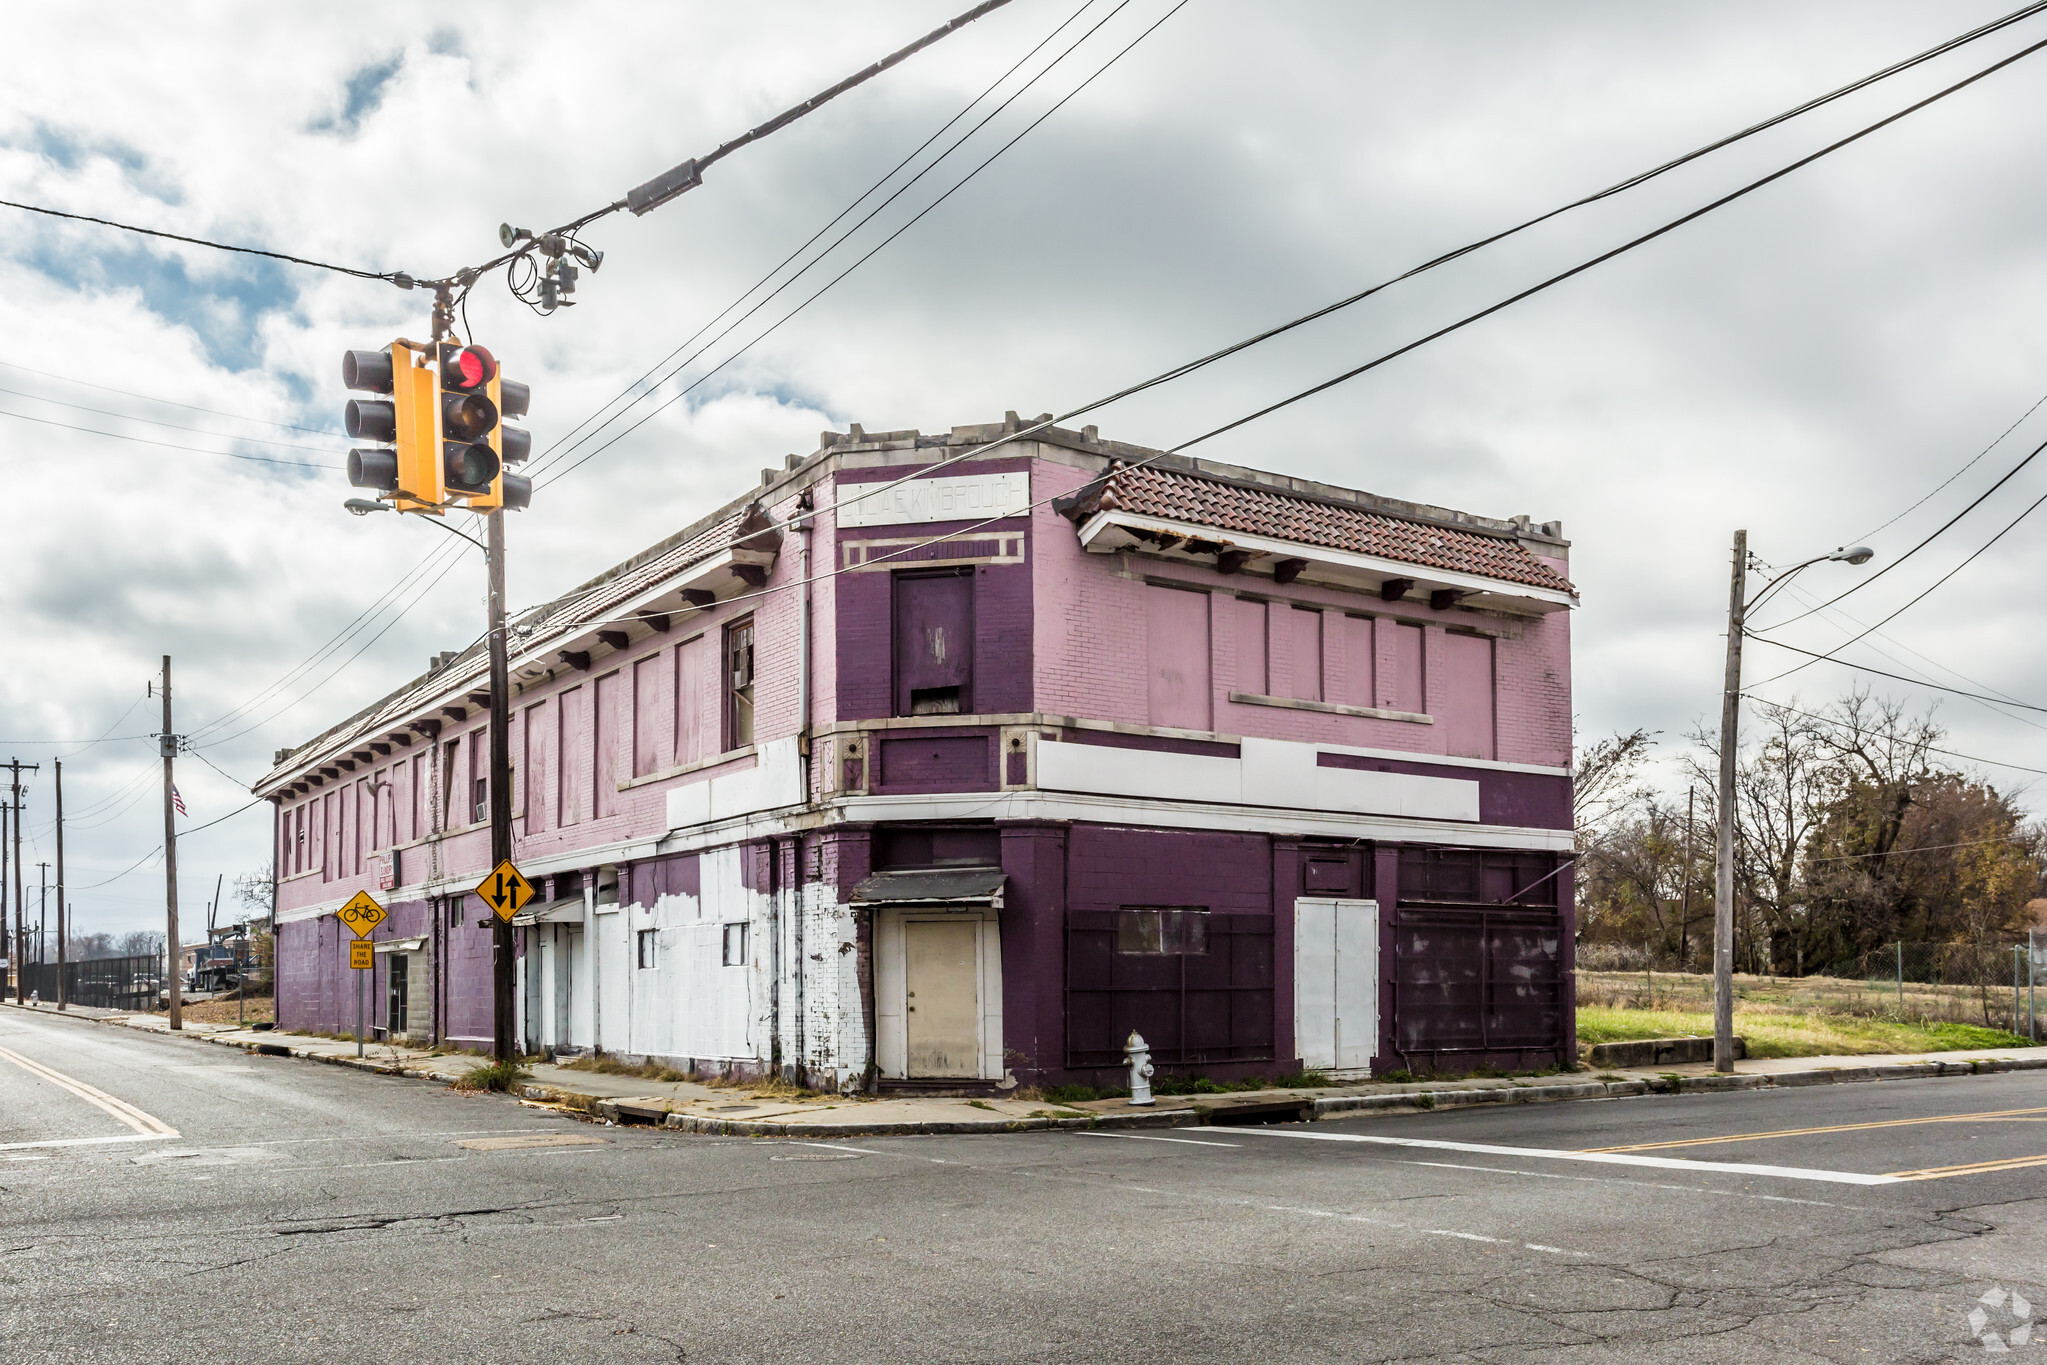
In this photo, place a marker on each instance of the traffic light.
(477, 445)
(408, 473)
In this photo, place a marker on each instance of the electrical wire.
(829, 284)
(1959, 472)
(572, 433)
(1922, 848)
(686, 175)
(1937, 533)
(167, 402)
(1896, 677)
(118, 875)
(399, 278)
(170, 445)
(1324, 311)
(158, 422)
(1947, 753)
(2009, 527)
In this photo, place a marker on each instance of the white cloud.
(1804, 363)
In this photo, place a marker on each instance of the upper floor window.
(739, 684)
(934, 643)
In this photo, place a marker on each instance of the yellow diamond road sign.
(505, 891)
(362, 914)
(362, 954)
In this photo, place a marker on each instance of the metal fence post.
(2015, 951)
(1901, 978)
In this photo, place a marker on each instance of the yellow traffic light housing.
(406, 469)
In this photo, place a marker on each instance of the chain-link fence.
(1994, 983)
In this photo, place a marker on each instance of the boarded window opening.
(934, 701)
(1162, 931)
(933, 645)
(648, 947)
(735, 945)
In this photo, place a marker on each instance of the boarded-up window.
(401, 802)
(694, 667)
(422, 796)
(1197, 985)
(1466, 678)
(1403, 690)
(572, 743)
(1176, 644)
(934, 643)
(1249, 621)
(327, 840)
(647, 709)
(1358, 661)
(1304, 629)
(537, 768)
(739, 714)
(604, 768)
(365, 819)
(380, 809)
(453, 784)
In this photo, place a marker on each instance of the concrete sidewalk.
(772, 1111)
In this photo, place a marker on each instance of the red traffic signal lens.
(465, 369)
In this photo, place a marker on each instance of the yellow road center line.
(1972, 1168)
(100, 1099)
(1988, 1115)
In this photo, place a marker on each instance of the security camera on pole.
(443, 444)
(1738, 608)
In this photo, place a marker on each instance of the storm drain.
(1245, 1115)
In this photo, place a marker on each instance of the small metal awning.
(933, 886)
(401, 945)
(566, 910)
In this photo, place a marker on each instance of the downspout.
(276, 857)
(803, 527)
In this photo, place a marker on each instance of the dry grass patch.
(605, 1065)
(1777, 1031)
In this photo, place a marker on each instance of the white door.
(1336, 983)
(942, 1003)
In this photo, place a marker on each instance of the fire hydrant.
(1139, 1053)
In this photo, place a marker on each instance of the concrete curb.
(627, 1110)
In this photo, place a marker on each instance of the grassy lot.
(1775, 1031)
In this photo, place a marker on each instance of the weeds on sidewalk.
(498, 1076)
(604, 1064)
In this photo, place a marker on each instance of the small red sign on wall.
(386, 873)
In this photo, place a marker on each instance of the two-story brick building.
(898, 774)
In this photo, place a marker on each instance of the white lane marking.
(1643, 1184)
(119, 1108)
(1143, 1137)
(87, 1142)
(1661, 1163)
(837, 1147)
(1409, 1227)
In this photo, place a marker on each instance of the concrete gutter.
(690, 1107)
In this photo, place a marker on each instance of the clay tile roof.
(1174, 496)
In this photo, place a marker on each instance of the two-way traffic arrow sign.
(505, 891)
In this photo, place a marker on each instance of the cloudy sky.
(1809, 362)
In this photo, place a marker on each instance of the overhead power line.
(159, 422)
(1966, 467)
(1947, 753)
(1938, 531)
(872, 252)
(687, 175)
(1899, 677)
(1025, 432)
(570, 439)
(1973, 554)
(167, 402)
(169, 445)
(399, 278)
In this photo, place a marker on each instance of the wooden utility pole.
(20, 910)
(14, 943)
(63, 916)
(168, 747)
(1723, 889)
(503, 1018)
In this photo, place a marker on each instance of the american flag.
(179, 802)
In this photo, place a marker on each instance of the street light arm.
(436, 521)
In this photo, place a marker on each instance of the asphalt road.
(285, 1211)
